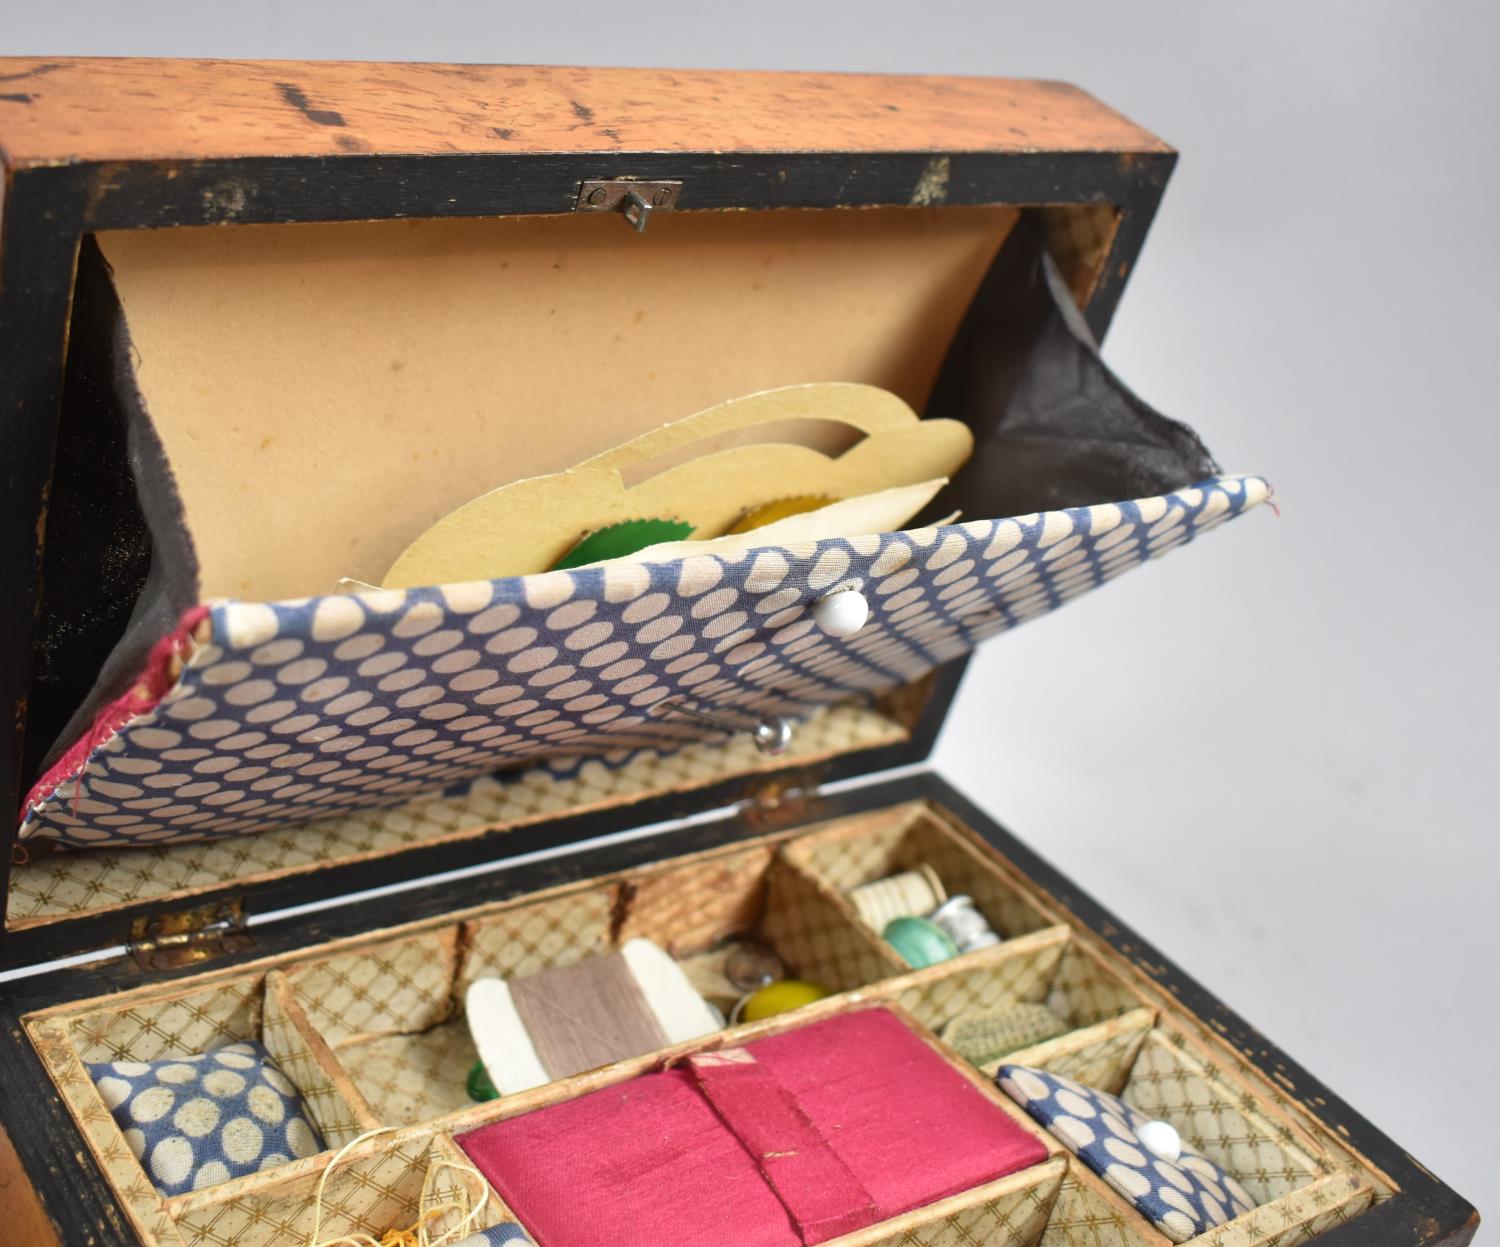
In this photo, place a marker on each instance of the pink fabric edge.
(143, 696)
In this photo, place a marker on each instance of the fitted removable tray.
(394, 1051)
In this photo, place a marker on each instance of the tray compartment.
(377, 1186)
(393, 987)
(1018, 970)
(820, 936)
(373, 1034)
(302, 1054)
(1086, 990)
(1010, 1212)
(1298, 1191)
(392, 1013)
(390, 1018)
(1047, 966)
(848, 855)
(1168, 1082)
(1099, 1056)
(188, 1022)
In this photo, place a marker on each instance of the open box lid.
(125, 157)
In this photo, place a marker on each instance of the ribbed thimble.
(963, 922)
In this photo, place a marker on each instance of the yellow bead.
(780, 997)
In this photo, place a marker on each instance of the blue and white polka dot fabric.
(1182, 1199)
(496, 1236)
(294, 711)
(201, 1120)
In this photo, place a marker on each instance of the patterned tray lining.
(372, 1031)
(66, 884)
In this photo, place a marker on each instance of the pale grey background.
(1272, 753)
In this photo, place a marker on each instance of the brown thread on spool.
(586, 1015)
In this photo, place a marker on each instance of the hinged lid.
(107, 149)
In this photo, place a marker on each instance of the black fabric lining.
(1053, 426)
(118, 568)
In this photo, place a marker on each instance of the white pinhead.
(842, 613)
(1161, 1139)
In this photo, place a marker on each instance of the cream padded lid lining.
(326, 392)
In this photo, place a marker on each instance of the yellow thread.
(416, 1234)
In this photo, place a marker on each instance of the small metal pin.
(771, 734)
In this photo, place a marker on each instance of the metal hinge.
(636, 200)
(187, 937)
(786, 800)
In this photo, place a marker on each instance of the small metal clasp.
(635, 200)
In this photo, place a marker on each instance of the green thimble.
(479, 1086)
(989, 1034)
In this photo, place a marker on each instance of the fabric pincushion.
(495, 1236)
(794, 1139)
(197, 1121)
(1183, 1198)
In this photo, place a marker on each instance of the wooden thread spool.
(910, 894)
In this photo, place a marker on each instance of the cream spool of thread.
(910, 894)
(965, 925)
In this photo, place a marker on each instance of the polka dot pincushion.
(200, 1120)
(1182, 1198)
